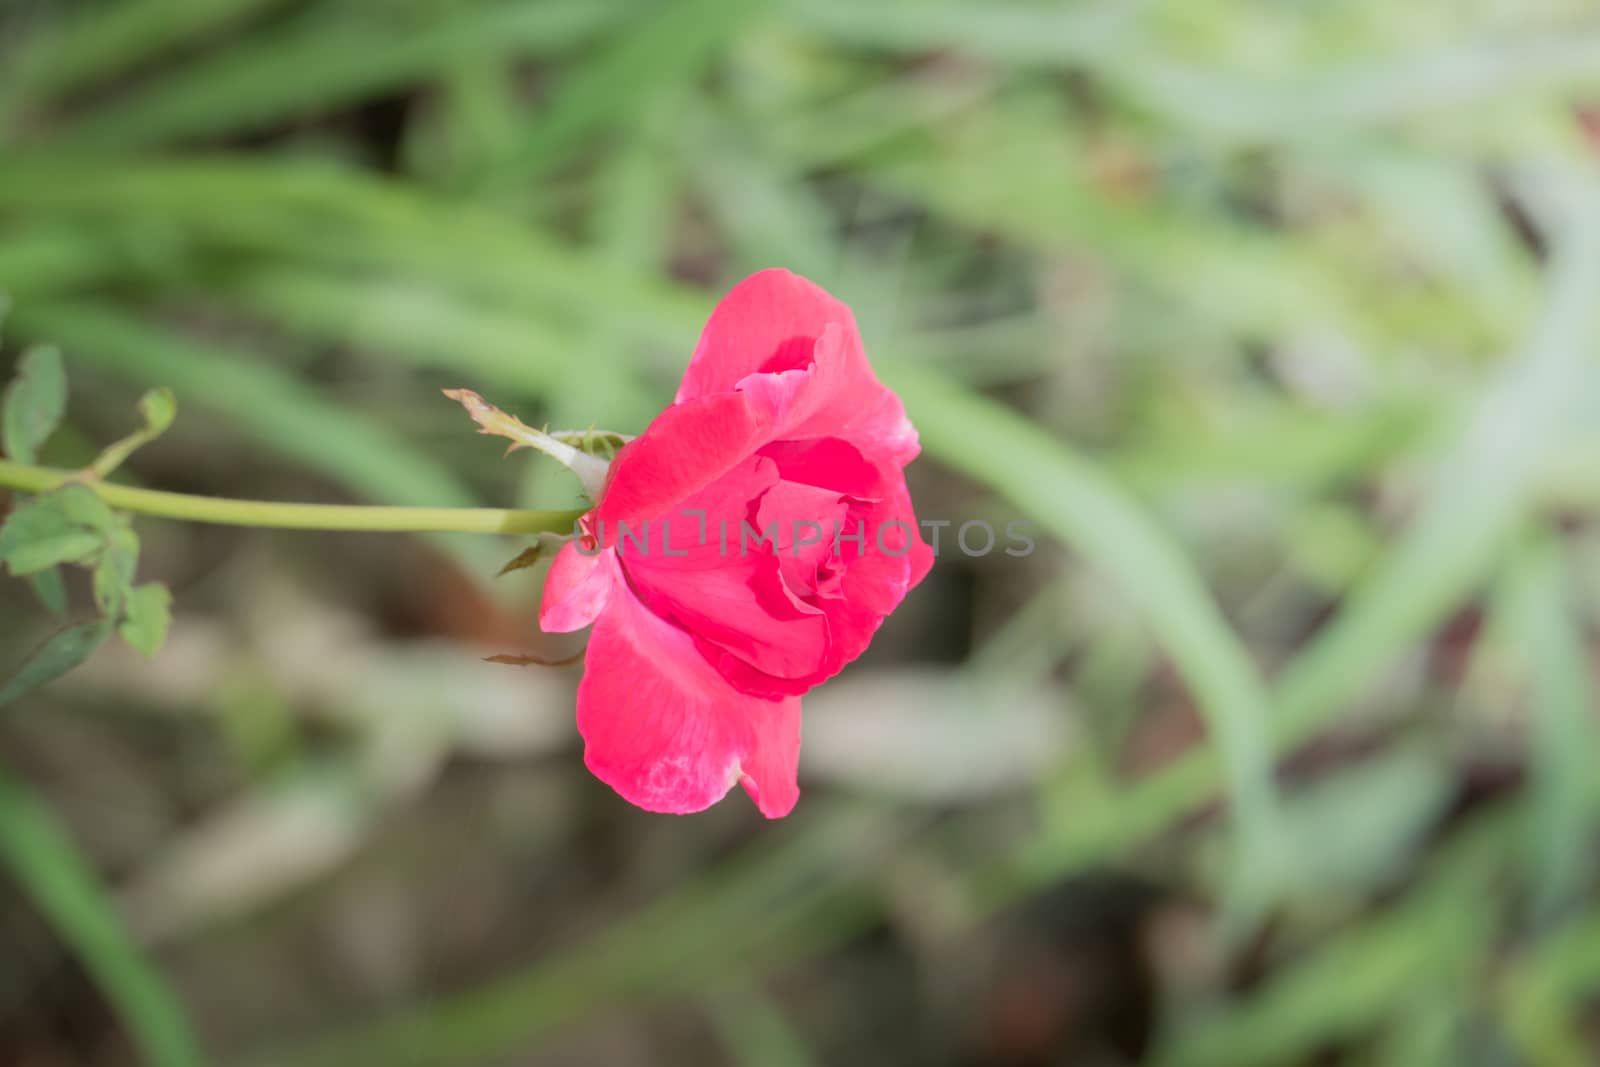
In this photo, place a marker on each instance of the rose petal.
(575, 591)
(770, 774)
(834, 395)
(688, 448)
(667, 732)
(726, 587)
(829, 463)
(877, 576)
(743, 608)
(768, 322)
(805, 519)
(864, 584)
(893, 557)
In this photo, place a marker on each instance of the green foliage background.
(1277, 320)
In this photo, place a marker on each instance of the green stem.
(272, 515)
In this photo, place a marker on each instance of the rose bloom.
(705, 635)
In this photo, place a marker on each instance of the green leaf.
(158, 407)
(63, 651)
(147, 614)
(50, 590)
(34, 403)
(35, 540)
(55, 876)
(113, 575)
(83, 507)
(68, 525)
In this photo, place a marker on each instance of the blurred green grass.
(1278, 320)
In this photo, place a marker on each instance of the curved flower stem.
(273, 515)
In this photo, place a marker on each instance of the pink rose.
(706, 633)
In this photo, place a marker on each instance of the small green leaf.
(45, 548)
(68, 525)
(63, 651)
(49, 588)
(148, 613)
(158, 407)
(82, 507)
(113, 575)
(34, 403)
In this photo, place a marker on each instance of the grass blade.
(333, 62)
(665, 48)
(1484, 490)
(1075, 502)
(107, 41)
(1563, 739)
(61, 884)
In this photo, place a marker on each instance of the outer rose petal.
(575, 592)
(769, 777)
(769, 321)
(666, 731)
(835, 395)
(773, 322)
(780, 359)
(688, 448)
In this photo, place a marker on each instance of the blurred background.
(1276, 320)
